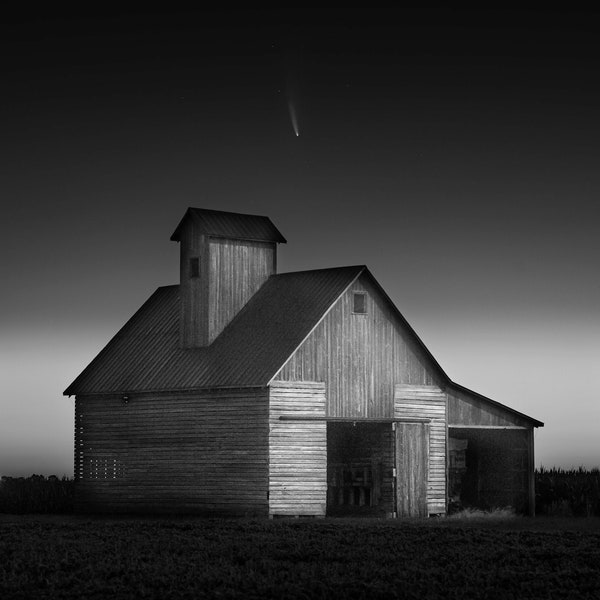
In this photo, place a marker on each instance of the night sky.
(455, 153)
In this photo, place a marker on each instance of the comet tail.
(294, 118)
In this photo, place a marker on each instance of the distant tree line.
(558, 492)
(573, 492)
(36, 494)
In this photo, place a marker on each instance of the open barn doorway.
(488, 469)
(360, 463)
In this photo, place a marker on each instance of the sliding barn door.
(412, 469)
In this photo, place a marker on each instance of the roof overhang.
(218, 223)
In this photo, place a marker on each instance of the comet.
(293, 118)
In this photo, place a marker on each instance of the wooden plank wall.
(530, 474)
(204, 453)
(194, 300)
(466, 409)
(231, 271)
(237, 269)
(297, 449)
(359, 356)
(412, 460)
(78, 442)
(420, 401)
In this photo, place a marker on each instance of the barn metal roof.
(145, 354)
(230, 225)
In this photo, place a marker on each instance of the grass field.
(493, 558)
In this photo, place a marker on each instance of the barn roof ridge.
(356, 268)
(232, 225)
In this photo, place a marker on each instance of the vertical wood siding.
(203, 453)
(412, 468)
(464, 409)
(428, 402)
(237, 269)
(359, 356)
(297, 450)
(194, 299)
(231, 271)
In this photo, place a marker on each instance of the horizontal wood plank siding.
(359, 356)
(297, 450)
(237, 268)
(430, 402)
(466, 409)
(204, 453)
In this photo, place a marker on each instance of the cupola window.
(194, 267)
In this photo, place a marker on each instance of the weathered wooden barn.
(244, 391)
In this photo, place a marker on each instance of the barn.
(246, 392)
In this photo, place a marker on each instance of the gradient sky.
(455, 153)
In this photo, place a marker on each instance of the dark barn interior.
(360, 462)
(488, 469)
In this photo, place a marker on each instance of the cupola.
(224, 259)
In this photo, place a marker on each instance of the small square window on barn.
(359, 305)
(194, 267)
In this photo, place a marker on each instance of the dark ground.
(491, 558)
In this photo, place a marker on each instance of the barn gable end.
(360, 356)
